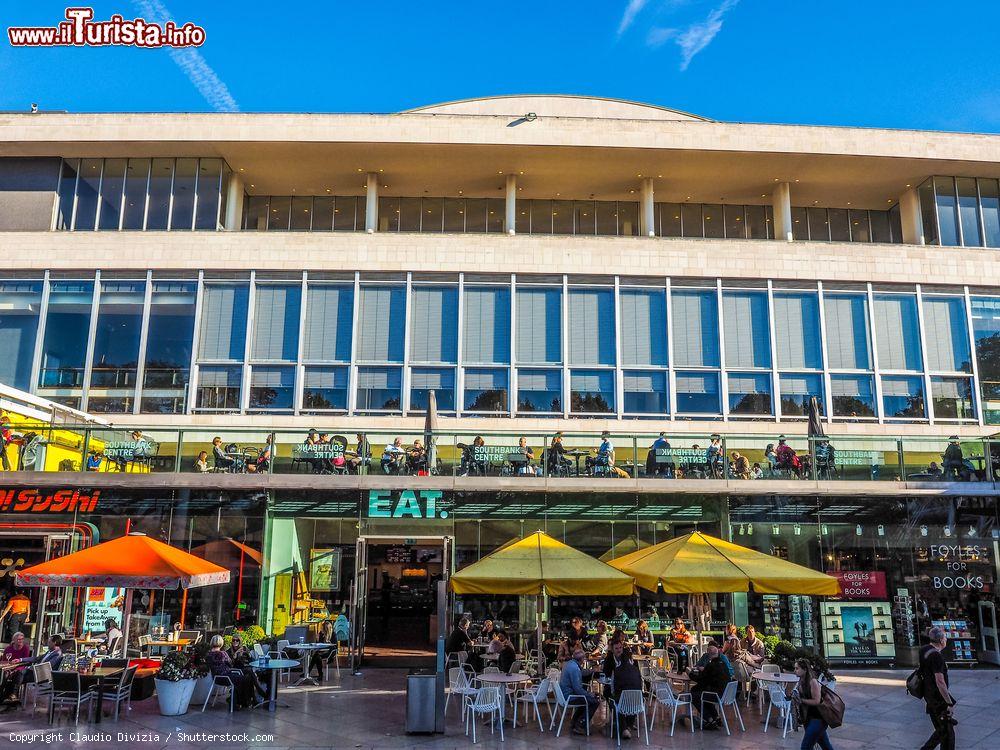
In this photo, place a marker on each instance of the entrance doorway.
(50, 608)
(394, 602)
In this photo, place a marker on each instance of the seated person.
(657, 466)
(316, 464)
(393, 457)
(706, 657)
(459, 639)
(557, 463)
(470, 464)
(362, 457)
(222, 461)
(680, 639)
(201, 465)
(605, 457)
(571, 683)
(318, 657)
(221, 666)
(263, 462)
(526, 469)
(954, 461)
(507, 653)
(756, 472)
(567, 647)
(754, 654)
(786, 459)
(416, 458)
(237, 652)
(626, 676)
(825, 459)
(600, 642)
(487, 631)
(710, 677)
(739, 466)
(94, 461)
(18, 652)
(643, 638)
(714, 457)
(54, 655)
(577, 630)
(112, 638)
(934, 470)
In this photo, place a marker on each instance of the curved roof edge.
(560, 105)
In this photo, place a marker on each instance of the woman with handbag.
(811, 695)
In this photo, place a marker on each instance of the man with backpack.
(934, 673)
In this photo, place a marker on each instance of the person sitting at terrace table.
(18, 652)
(94, 461)
(393, 457)
(470, 463)
(567, 647)
(507, 654)
(620, 619)
(571, 683)
(707, 657)
(6, 438)
(237, 652)
(263, 461)
(954, 461)
(933, 469)
(711, 676)
(786, 458)
(320, 655)
(656, 467)
(772, 459)
(362, 457)
(739, 466)
(459, 639)
(221, 666)
(643, 637)
(222, 461)
(600, 641)
(112, 638)
(680, 639)
(577, 630)
(416, 458)
(557, 463)
(201, 464)
(756, 472)
(487, 632)
(527, 469)
(825, 459)
(605, 457)
(626, 676)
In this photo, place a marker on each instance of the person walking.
(938, 697)
(811, 694)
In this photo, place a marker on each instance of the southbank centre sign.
(405, 504)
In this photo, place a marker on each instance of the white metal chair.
(458, 684)
(515, 667)
(566, 703)
(491, 670)
(532, 697)
(762, 687)
(663, 695)
(630, 703)
(223, 684)
(784, 705)
(122, 692)
(488, 700)
(728, 698)
(282, 653)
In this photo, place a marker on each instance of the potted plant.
(174, 684)
(201, 672)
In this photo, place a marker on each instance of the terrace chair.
(66, 693)
(784, 705)
(663, 695)
(488, 700)
(566, 703)
(766, 669)
(144, 645)
(122, 692)
(460, 685)
(629, 703)
(259, 651)
(282, 653)
(532, 697)
(222, 684)
(728, 698)
(42, 685)
(333, 656)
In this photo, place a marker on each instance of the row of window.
(116, 344)
(960, 211)
(141, 194)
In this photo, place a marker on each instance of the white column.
(234, 203)
(647, 217)
(511, 222)
(371, 203)
(910, 218)
(781, 200)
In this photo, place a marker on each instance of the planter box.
(202, 687)
(174, 697)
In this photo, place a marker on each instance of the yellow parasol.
(629, 544)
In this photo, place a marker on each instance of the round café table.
(306, 650)
(273, 666)
(518, 678)
(783, 679)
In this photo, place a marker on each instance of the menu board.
(961, 643)
(858, 632)
(399, 554)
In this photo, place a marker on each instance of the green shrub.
(785, 656)
(770, 643)
(176, 666)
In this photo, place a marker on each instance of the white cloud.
(190, 60)
(658, 36)
(631, 11)
(697, 36)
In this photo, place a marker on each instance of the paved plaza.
(368, 712)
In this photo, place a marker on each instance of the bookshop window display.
(904, 564)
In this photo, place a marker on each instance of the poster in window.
(103, 603)
(859, 631)
(324, 569)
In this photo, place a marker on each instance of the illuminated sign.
(60, 501)
(860, 584)
(957, 558)
(405, 504)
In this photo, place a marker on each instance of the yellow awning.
(539, 562)
(631, 543)
(698, 563)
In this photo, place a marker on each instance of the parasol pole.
(184, 604)
(539, 613)
(127, 617)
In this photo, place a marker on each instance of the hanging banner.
(860, 584)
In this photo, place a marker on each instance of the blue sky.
(891, 63)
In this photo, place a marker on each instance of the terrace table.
(273, 666)
(505, 680)
(306, 650)
(96, 678)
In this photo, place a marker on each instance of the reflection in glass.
(322, 214)
(645, 392)
(168, 347)
(116, 343)
(735, 225)
(691, 225)
(111, 193)
(279, 213)
(903, 397)
(860, 230)
(952, 398)
(947, 210)
(425, 380)
(714, 221)
(853, 395)
(796, 391)
(670, 219)
(160, 179)
(698, 393)
(219, 388)
(592, 391)
(209, 194)
(224, 322)
(749, 394)
(276, 322)
(86, 195)
(986, 327)
(182, 211)
(539, 391)
(136, 179)
(378, 389)
(272, 388)
(758, 225)
(485, 390)
(819, 224)
(800, 224)
(67, 328)
(325, 389)
(18, 327)
(67, 193)
(345, 213)
(968, 209)
(840, 227)
(989, 197)
(255, 214)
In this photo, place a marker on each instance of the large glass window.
(329, 312)
(645, 392)
(952, 398)
(968, 211)
(116, 343)
(928, 212)
(168, 347)
(325, 389)
(441, 380)
(67, 193)
(695, 328)
(592, 391)
(819, 224)
(272, 388)
(67, 329)
(853, 396)
(160, 180)
(434, 324)
(897, 332)
(379, 389)
(713, 220)
(486, 338)
(947, 334)
(485, 390)
(87, 191)
(989, 197)
(947, 210)
(112, 185)
(382, 311)
(539, 324)
(749, 394)
(20, 302)
(224, 322)
(276, 322)
(745, 327)
(986, 327)
(848, 331)
(136, 179)
(301, 216)
(796, 338)
(698, 393)
(796, 391)
(643, 327)
(591, 327)
(185, 180)
(209, 194)
(219, 388)
(903, 397)
(279, 213)
(539, 391)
